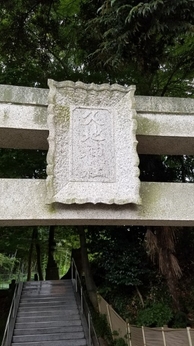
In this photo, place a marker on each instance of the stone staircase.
(48, 315)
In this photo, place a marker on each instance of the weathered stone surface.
(23, 95)
(23, 117)
(162, 204)
(27, 123)
(164, 124)
(92, 155)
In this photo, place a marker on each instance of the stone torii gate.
(92, 158)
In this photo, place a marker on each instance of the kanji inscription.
(92, 155)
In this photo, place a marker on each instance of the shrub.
(155, 315)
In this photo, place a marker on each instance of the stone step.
(44, 284)
(43, 295)
(42, 306)
(43, 301)
(48, 337)
(73, 342)
(48, 292)
(62, 312)
(38, 309)
(66, 317)
(48, 330)
(47, 289)
(48, 324)
(47, 311)
(48, 315)
(47, 299)
(49, 282)
(33, 284)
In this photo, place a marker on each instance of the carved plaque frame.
(92, 155)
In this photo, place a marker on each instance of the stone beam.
(165, 124)
(23, 117)
(160, 206)
(23, 126)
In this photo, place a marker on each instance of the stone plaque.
(92, 145)
(92, 154)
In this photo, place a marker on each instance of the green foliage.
(23, 164)
(102, 328)
(149, 44)
(103, 331)
(6, 262)
(149, 41)
(66, 239)
(119, 342)
(125, 302)
(156, 314)
(15, 244)
(179, 320)
(38, 41)
(69, 8)
(166, 168)
(130, 266)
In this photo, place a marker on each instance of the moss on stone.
(63, 114)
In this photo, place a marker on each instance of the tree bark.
(90, 285)
(30, 257)
(38, 255)
(161, 245)
(140, 296)
(51, 270)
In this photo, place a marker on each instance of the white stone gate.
(164, 126)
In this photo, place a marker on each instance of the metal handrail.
(8, 333)
(92, 339)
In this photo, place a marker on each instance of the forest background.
(145, 273)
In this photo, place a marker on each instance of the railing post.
(14, 302)
(12, 315)
(89, 330)
(82, 300)
(72, 270)
(189, 336)
(129, 342)
(6, 343)
(143, 334)
(76, 280)
(163, 336)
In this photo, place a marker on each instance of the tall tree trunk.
(51, 270)
(38, 256)
(160, 243)
(51, 244)
(30, 256)
(90, 285)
